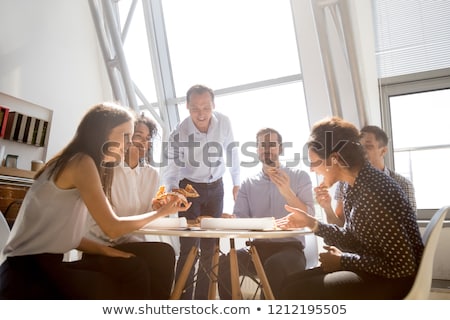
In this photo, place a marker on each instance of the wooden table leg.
(213, 274)
(234, 269)
(261, 274)
(181, 281)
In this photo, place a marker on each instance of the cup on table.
(36, 165)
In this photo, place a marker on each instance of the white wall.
(49, 56)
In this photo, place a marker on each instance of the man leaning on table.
(200, 149)
(264, 195)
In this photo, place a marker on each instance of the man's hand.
(235, 192)
(281, 180)
(228, 215)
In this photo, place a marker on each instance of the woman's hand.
(115, 253)
(323, 197)
(173, 204)
(331, 259)
(92, 247)
(297, 218)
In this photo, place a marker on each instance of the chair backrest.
(422, 284)
(311, 251)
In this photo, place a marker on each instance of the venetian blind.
(411, 36)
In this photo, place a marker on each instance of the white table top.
(206, 233)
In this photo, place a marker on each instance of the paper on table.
(167, 223)
(238, 223)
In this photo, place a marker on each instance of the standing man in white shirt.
(200, 148)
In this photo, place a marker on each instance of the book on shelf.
(11, 125)
(18, 127)
(35, 130)
(41, 133)
(28, 139)
(24, 128)
(44, 134)
(4, 113)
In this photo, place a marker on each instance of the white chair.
(311, 251)
(4, 233)
(422, 284)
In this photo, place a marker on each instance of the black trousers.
(149, 275)
(315, 284)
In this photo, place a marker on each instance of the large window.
(225, 43)
(280, 107)
(246, 51)
(413, 56)
(422, 144)
(136, 47)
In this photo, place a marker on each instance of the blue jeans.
(210, 203)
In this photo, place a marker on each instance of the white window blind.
(411, 36)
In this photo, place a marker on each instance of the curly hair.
(340, 138)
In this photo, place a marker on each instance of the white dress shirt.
(132, 191)
(201, 157)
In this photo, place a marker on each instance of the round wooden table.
(231, 235)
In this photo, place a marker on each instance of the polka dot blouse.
(381, 235)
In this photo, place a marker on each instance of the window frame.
(404, 85)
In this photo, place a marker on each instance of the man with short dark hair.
(264, 195)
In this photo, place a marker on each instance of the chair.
(311, 251)
(4, 233)
(422, 284)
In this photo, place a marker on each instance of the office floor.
(440, 290)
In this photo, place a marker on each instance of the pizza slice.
(162, 196)
(188, 191)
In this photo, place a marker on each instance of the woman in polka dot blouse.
(375, 255)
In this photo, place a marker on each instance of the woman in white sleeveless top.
(53, 216)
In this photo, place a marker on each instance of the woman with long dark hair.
(52, 220)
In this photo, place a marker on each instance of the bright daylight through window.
(240, 55)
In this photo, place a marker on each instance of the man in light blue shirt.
(200, 148)
(264, 195)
